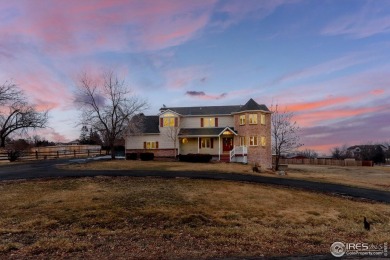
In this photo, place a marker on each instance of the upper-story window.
(209, 122)
(242, 119)
(253, 119)
(168, 120)
(262, 119)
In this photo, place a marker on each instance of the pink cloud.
(73, 26)
(377, 92)
(304, 106)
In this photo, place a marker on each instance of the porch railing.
(241, 150)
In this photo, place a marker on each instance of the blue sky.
(327, 61)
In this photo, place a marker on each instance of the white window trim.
(254, 138)
(244, 119)
(251, 116)
(262, 119)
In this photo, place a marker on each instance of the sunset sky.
(327, 61)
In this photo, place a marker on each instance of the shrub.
(13, 155)
(195, 158)
(131, 156)
(146, 156)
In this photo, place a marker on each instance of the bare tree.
(308, 153)
(107, 105)
(16, 114)
(284, 133)
(172, 132)
(341, 152)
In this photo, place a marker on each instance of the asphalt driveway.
(48, 169)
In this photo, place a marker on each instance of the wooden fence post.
(36, 154)
(88, 152)
(74, 152)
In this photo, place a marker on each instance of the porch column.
(219, 147)
(198, 144)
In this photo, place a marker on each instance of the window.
(242, 141)
(208, 122)
(253, 119)
(168, 120)
(262, 119)
(205, 143)
(263, 142)
(242, 120)
(150, 145)
(253, 141)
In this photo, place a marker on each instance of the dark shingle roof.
(216, 110)
(253, 105)
(200, 111)
(145, 124)
(151, 124)
(213, 131)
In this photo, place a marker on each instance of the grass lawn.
(377, 177)
(151, 218)
(368, 177)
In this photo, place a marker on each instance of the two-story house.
(238, 133)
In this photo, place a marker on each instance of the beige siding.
(194, 122)
(192, 147)
(137, 142)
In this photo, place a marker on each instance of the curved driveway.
(48, 169)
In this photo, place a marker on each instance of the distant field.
(148, 218)
(368, 177)
(377, 177)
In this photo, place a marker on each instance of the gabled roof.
(251, 105)
(212, 131)
(200, 111)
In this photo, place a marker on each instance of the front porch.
(219, 142)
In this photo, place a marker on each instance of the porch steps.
(225, 158)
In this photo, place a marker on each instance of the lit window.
(242, 141)
(151, 145)
(253, 119)
(206, 143)
(242, 120)
(253, 141)
(169, 122)
(263, 141)
(209, 122)
(262, 119)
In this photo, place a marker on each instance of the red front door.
(227, 143)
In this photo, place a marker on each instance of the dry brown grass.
(368, 177)
(162, 166)
(156, 218)
(377, 177)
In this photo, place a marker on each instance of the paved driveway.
(48, 169)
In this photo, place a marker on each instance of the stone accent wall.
(157, 152)
(256, 154)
